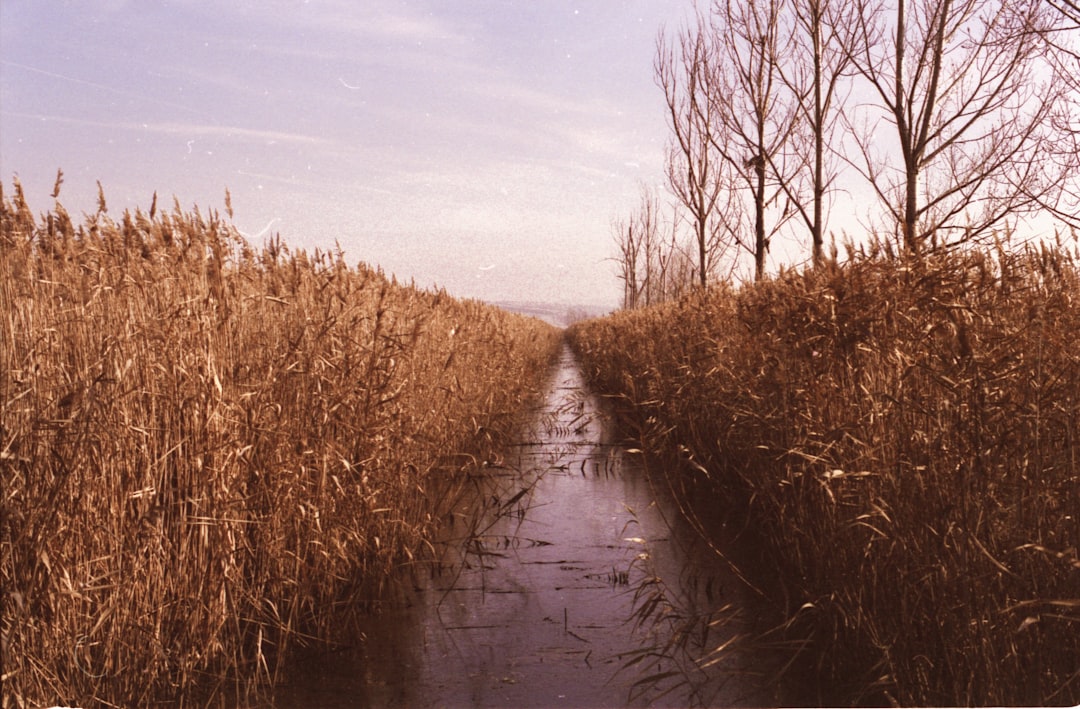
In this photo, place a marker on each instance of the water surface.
(568, 597)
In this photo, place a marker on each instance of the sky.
(483, 146)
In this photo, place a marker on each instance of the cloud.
(98, 86)
(332, 20)
(183, 130)
(411, 27)
(226, 132)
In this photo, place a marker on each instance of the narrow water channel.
(568, 598)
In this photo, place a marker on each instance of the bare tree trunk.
(816, 228)
(756, 114)
(761, 243)
(629, 249)
(822, 30)
(702, 241)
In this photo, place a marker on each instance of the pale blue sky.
(483, 145)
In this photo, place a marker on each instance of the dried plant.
(905, 439)
(211, 453)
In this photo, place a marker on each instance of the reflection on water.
(541, 608)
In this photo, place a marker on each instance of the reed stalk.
(904, 438)
(212, 453)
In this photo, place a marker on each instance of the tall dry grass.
(906, 440)
(212, 452)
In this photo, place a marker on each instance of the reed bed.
(904, 438)
(212, 452)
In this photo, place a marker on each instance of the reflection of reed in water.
(695, 641)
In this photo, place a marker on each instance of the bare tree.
(753, 113)
(1069, 8)
(677, 260)
(692, 166)
(639, 244)
(647, 224)
(654, 264)
(821, 36)
(674, 269)
(629, 246)
(972, 107)
(680, 268)
(1063, 51)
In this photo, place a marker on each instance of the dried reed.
(906, 439)
(212, 452)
